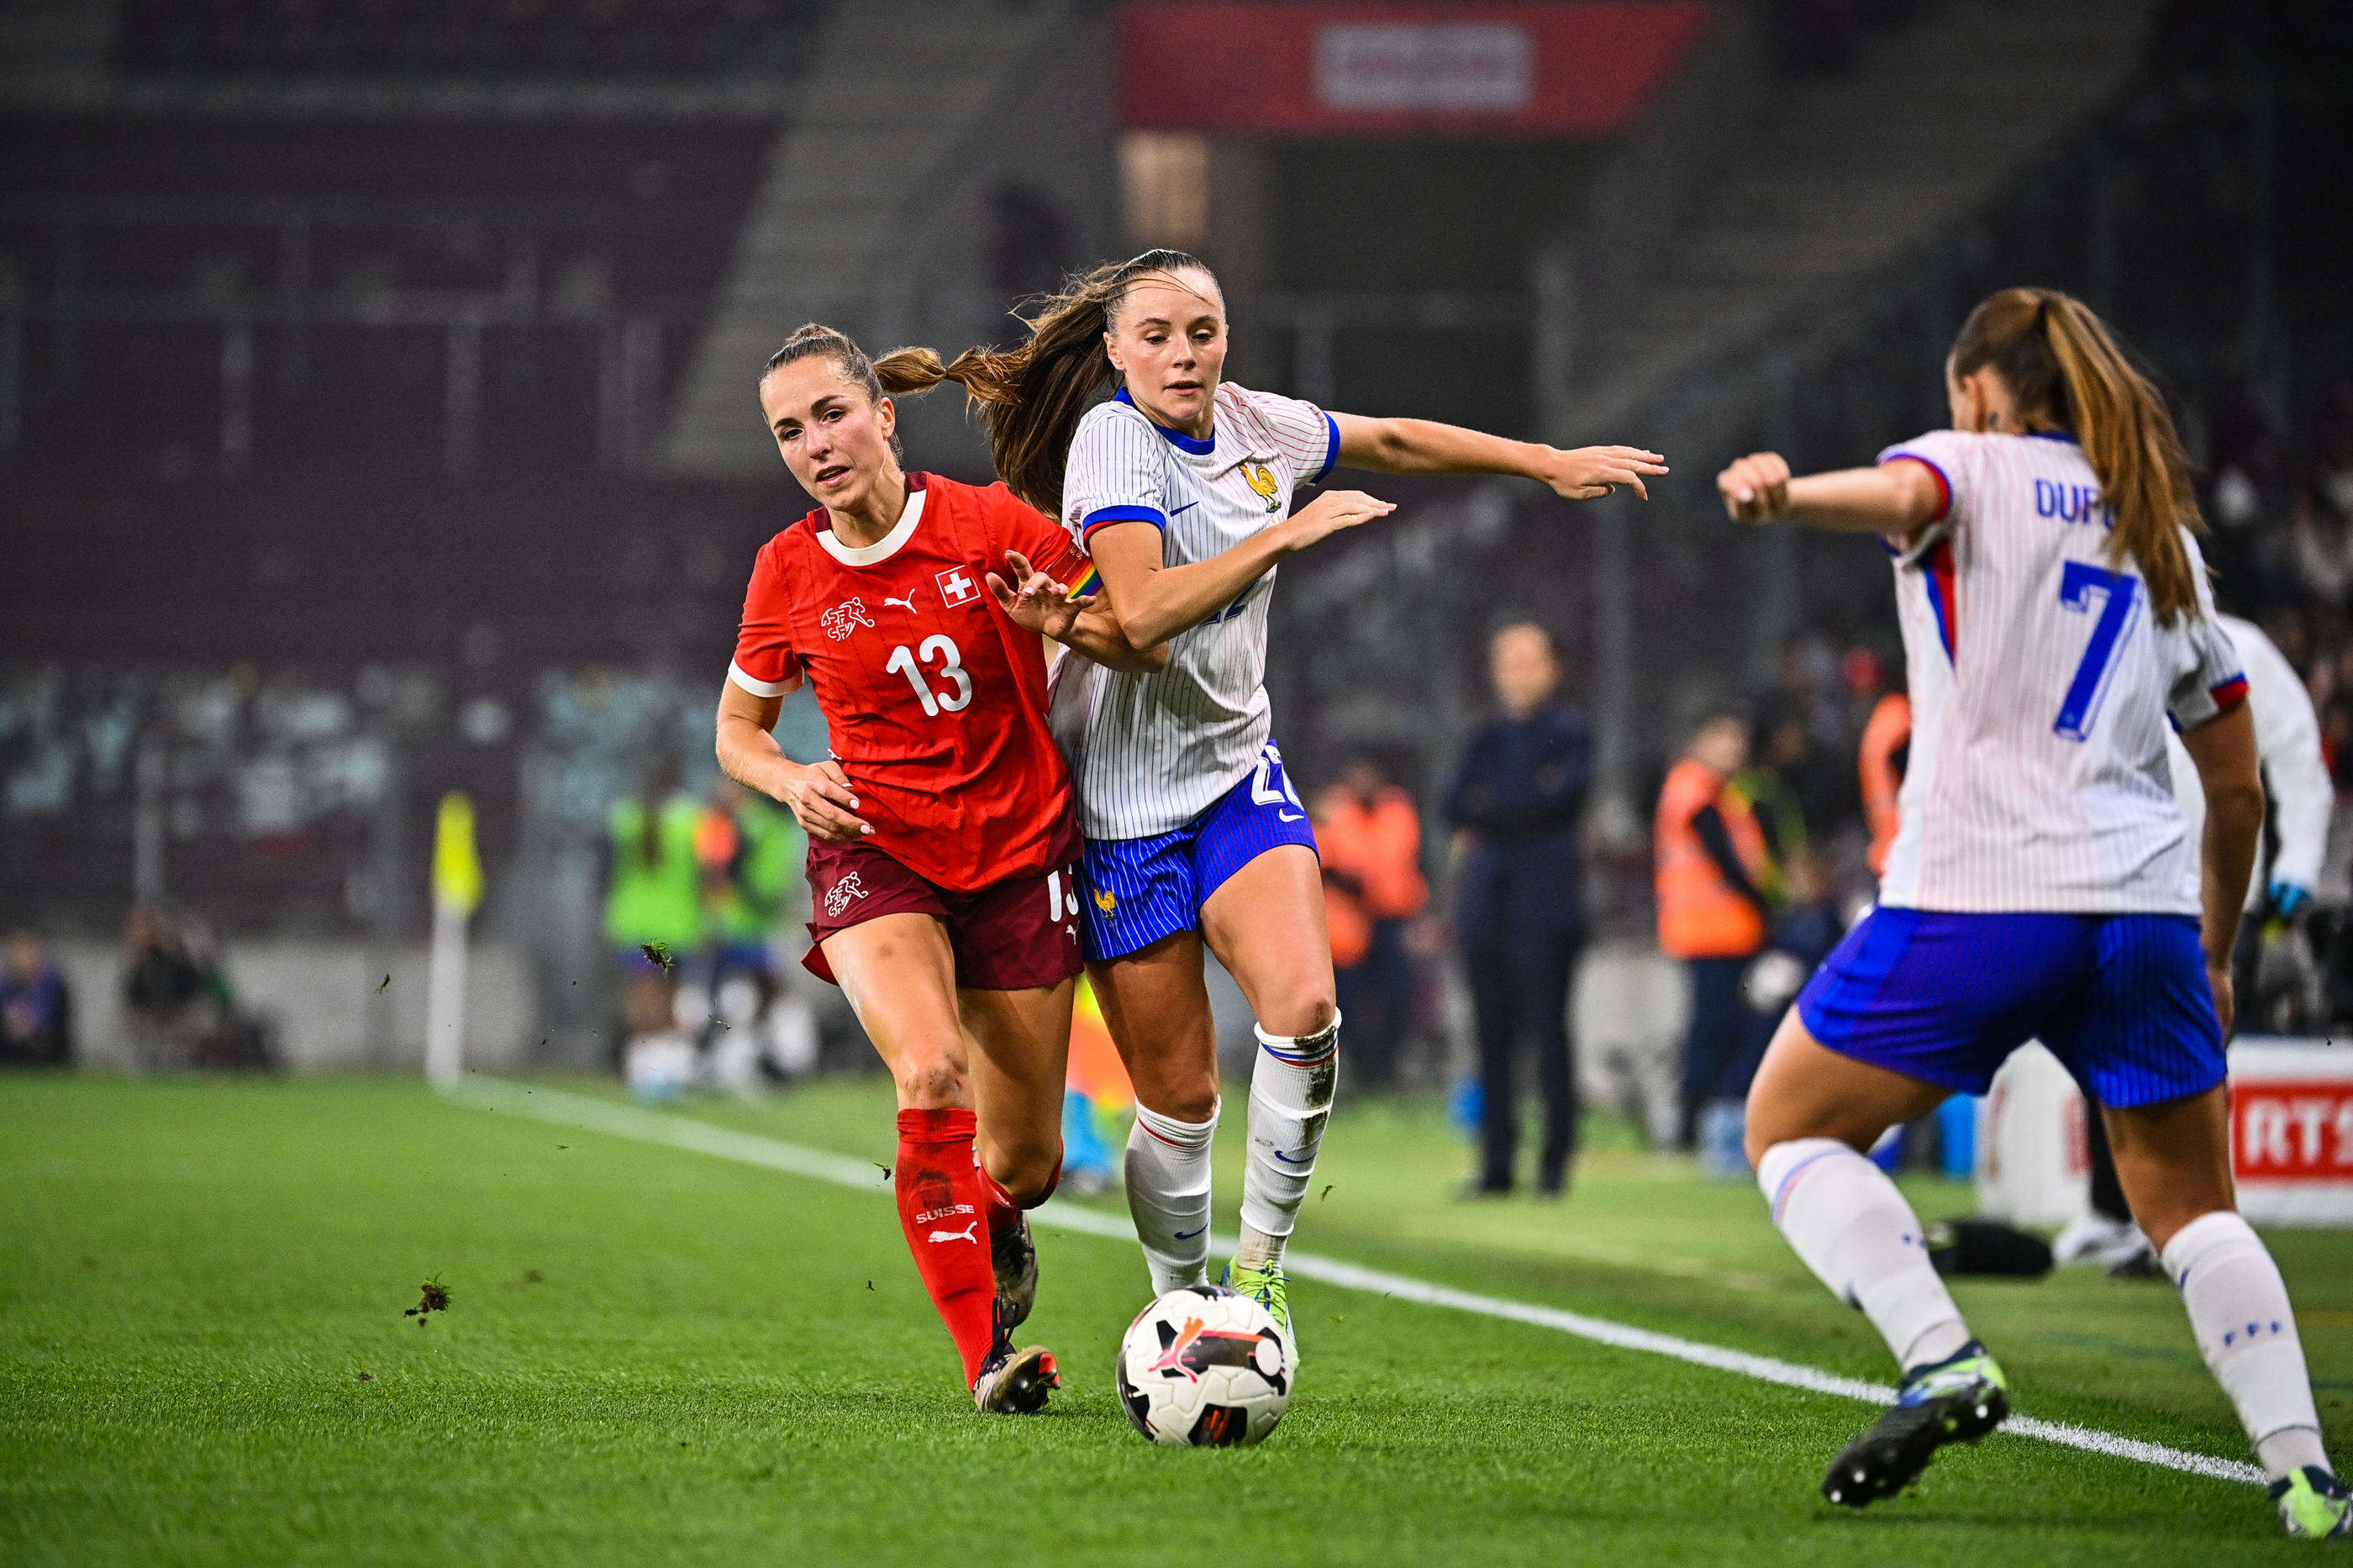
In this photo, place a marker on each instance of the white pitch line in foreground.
(679, 1131)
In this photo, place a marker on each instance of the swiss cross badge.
(956, 586)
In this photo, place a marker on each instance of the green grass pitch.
(654, 1356)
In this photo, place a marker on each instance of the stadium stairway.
(1954, 104)
(897, 90)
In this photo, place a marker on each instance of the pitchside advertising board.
(1306, 70)
(2291, 1136)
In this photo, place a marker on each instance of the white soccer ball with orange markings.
(1204, 1366)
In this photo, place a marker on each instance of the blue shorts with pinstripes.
(1142, 890)
(2123, 1000)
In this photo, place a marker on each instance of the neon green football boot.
(2314, 1505)
(1958, 1400)
(1270, 1289)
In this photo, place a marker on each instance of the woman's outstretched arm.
(1153, 602)
(1424, 447)
(1897, 497)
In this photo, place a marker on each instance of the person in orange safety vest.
(1711, 865)
(1369, 833)
(1886, 744)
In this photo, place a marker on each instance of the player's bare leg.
(1265, 923)
(2173, 1159)
(1157, 1006)
(1812, 1113)
(899, 974)
(1020, 1057)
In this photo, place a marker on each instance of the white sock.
(1168, 1196)
(1842, 1214)
(1290, 1101)
(2239, 1311)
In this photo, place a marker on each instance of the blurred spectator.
(1804, 932)
(745, 848)
(653, 918)
(1880, 761)
(178, 1002)
(1369, 833)
(35, 1008)
(1780, 759)
(1517, 801)
(1712, 912)
(1096, 1094)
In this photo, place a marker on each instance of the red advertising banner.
(2287, 1131)
(1574, 68)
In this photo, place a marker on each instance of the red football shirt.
(934, 700)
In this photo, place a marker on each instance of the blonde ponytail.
(2063, 365)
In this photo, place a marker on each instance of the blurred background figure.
(36, 1007)
(1517, 804)
(747, 850)
(1713, 866)
(1880, 761)
(1095, 1102)
(654, 921)
(180, 1010)
(1368, 832)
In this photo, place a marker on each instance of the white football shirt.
(2302, 797)
(1150, 752)
(2041, 689)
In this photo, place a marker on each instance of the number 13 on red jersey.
(943, 649)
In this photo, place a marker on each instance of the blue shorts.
(2123, 1000)
(1142, 890)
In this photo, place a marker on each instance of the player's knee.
(1191, 1097)
(1028, 1171)
(929, 1079)
(1303, 1013)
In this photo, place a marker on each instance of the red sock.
(942, 1206)
(1004, 1214)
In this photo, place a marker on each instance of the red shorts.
(1013, 935)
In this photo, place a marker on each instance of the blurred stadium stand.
(374, 380)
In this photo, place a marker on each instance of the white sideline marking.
(568, 1109)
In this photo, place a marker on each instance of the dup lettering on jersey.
(2071, 503)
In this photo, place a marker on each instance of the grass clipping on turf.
(433, 1297)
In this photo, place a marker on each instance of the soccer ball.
(1204, 1366)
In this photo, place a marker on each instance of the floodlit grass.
(653, 1356)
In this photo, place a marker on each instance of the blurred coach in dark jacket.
(1517, 799)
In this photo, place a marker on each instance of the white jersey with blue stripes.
(2042, 685)
(1150, 752)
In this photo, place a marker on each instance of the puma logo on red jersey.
(907, 604)
(844, 618)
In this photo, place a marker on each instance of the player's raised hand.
(1588, 473)
(1040, 604)
(820, 798)
(1330, 512)
(1756, 488)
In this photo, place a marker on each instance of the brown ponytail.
(1030, 397)
(2063, 366)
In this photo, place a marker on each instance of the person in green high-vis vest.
(748, 847)
(653, 912)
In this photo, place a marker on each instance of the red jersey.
(934, 700)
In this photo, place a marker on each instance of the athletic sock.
(943, 1208)
(1290, 1102)
(1004, 1209)
(998, 1208)
(1845, 1220)
(1168, 1196)
(2239, 1311)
